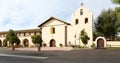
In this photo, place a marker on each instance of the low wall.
(113, 43)
(110, 44)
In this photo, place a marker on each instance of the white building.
(57, 33)
(23, 35)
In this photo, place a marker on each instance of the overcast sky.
(28, 14)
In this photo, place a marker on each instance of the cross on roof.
(82, 4)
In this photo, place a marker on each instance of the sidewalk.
(47, 49)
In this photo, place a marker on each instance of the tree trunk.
(13, 48)
(85, 46)
(39, 47)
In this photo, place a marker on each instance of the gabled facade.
(54, 32)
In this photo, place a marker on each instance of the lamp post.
(75, 40)
(79, 40)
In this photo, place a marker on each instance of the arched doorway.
(100, 43)
(52, 43)
(5, 43)
(25, 43)
(0, 43)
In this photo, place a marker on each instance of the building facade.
(58, 33)
(23, 35)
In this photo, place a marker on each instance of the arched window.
(52, 30)
(76, 21)
(81, 12)
(26, 43)
(86, 20)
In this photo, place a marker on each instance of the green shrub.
(93, 45)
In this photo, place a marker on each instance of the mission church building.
(56, 32)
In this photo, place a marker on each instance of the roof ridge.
(56, 19)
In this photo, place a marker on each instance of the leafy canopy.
(84, 37)
(36, 39)
(108, 24)
(12, 37)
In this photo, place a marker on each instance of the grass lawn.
(113, 48)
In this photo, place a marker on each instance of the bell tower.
(82, 19)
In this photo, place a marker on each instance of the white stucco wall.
(59, 35)
(113, 43)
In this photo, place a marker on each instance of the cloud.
(27, 14)
(96, 6)
(22, 14)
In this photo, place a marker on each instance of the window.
(86, 20)
(81, 12)
(24, 34)
(3, 35)
(52, 30)
(0, 35)
(76, 21)
(29, 33)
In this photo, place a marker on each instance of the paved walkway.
(74, 56)
(47, 49)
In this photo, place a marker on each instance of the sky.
(28, 14)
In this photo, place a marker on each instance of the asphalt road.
(76, 56)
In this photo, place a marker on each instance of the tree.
(116, 1)
(117, 11)
(36, 39)
(117, 38)
(95, 35)
(84, 37)
(12, 38)
(107, 24)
